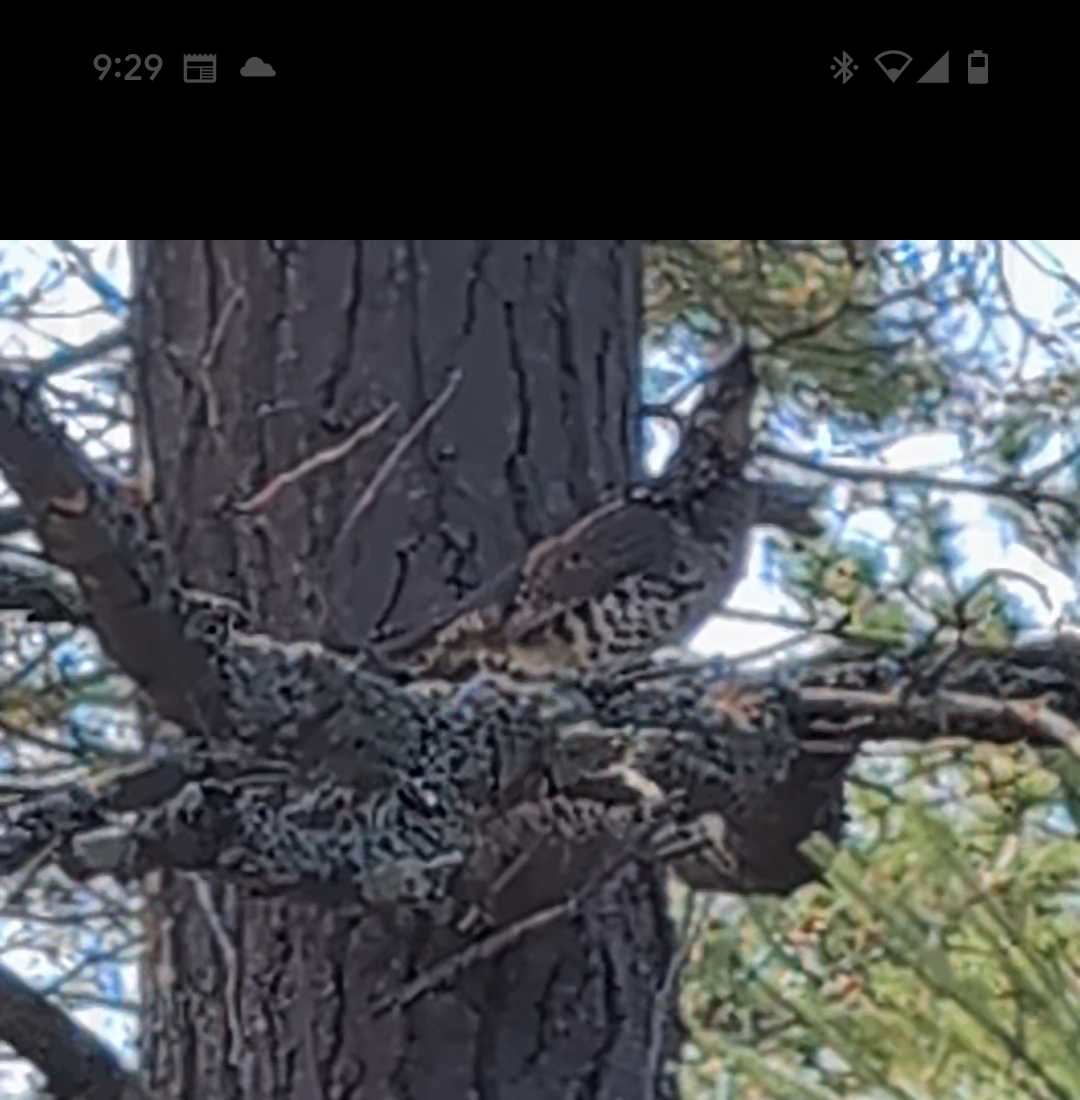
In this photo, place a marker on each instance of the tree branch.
(67, 355)
(197, 655)
(87, 524)
(1008, 488)
(76, 1065)
(35, 590)
(344, 784)
(13, 520)
(765, 753)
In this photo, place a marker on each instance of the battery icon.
(978, 67)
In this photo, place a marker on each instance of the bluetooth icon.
(846, 68)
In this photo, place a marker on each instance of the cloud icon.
(255, 66)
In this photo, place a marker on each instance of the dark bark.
(251, 357)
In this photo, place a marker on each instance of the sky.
(981, 541)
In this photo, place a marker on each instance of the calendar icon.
(200, 68)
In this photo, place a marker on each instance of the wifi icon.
(890, 62)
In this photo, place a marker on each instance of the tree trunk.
(252, 357)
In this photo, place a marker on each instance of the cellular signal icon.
(938, 73)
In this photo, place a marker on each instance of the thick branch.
(764, 754)
(76, 1065)
(125, 572)
(386, 791)
(198, 656)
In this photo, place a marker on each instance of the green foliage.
(810, 305)
(939, 957)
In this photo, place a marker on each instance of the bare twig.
(230, 964)
(772, 649)
(493, 944)
(1010, 489)
(209, 357)
(1036, 713)
(1004, 574)
(936, 710)
(267, 495)
(660, 1016)
(382, 474)
(111, 298)
(1037, 477)
(747, 615)
(24, 877)
(67, 356)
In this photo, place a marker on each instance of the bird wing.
(587, 559)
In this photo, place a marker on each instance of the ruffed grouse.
(632, 574)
